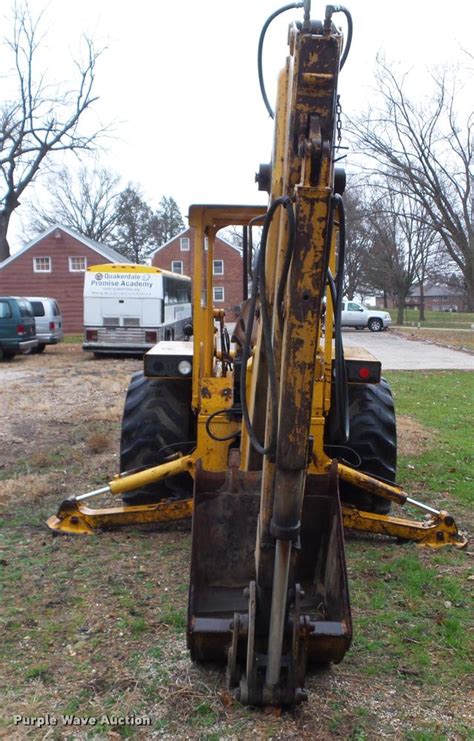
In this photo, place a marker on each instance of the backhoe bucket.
(223, 566)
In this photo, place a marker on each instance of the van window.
(5, 310)
(25, 308)
(38, 308)
(56, 309)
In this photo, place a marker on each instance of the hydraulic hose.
(260, 51)
(337, 287)
(330, 9)
(259, 287)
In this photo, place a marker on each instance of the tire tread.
(156, 414)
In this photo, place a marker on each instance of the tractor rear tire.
(157, 417)
(373, 436)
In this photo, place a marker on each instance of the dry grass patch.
(98, 442)
(111, 413)
(31, 488)
(412, 437)
(41, 459)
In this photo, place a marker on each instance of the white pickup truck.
(355, 315)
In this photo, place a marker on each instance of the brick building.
(436, 298)
(178, 255)
(53, 264)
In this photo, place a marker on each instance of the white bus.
(129, 308)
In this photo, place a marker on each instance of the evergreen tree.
(168, 221)
(134, 231)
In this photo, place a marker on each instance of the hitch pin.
(422, 506)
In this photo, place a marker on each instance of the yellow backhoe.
(260, 440)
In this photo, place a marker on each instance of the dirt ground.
(94, 626)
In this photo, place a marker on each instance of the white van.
(49, 321)
(129, 308)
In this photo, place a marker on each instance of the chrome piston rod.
(277, 617)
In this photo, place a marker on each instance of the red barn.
(53, 264)
(178, 255)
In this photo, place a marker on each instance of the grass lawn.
(454, 330)
(95, 626)
(413, 607)
(446, 319)
(443, 401)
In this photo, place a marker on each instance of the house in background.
(436, 298)
(53, 264)
(178, 255)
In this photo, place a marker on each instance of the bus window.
(176, 291)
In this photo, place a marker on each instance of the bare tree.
(358, 240)
(402, 245)
(40, 119)
(84, 201)
(428, 154)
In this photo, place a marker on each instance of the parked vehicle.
(129, 308)
(358, 316)
(49, 321)
(17, 327)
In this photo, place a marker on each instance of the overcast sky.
(178, 80)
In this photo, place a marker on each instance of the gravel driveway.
(398, 353)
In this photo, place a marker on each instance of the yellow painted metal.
(258, 407)
(361, 354)
(74, 518)
(323, 373)
(436, 532)
(206, 220)
(256, 393)
(122, 484)
(216, 395)
(328, 328)
(300, 335)
(199, 315)
(373, 486)
(209, 348)
(126, 268)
